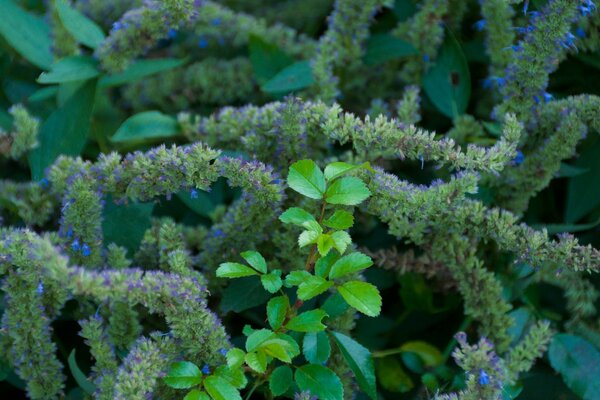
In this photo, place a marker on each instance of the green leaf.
(256, 260)
(391, 376)
(296, 216)
(348, 191)
(560, 228)
(254, 295)
(257, 338)
(79, 376)
(360, 361)
(338, 168)
(324, 264)
(569, 171)
(430, 354)
(83, 29)
(324, 244)
(316, 347)
(146, 125)
(307, 237)
(306, 178)
(220, 389)
(341, 241)
(75, 68)
(277, 348)
(383, 47)
(202, 204)
(196, 394)
(280, 380)
(44, 93)
(257, 361)
(290, 79)
(349, 264)
(266, 59)
(272, 282)
(448, 82)
(235, 376)
(234, 270)
(235, 358)
(340, 219)
(125, 224)
(578, 361)
(183, 375)
(362, 296)
(295, 278)
(313, 286)
(140, 70)
(27, 33)
(308, 321)
(320, 381)
(583, 192)
(293, 348)
(335, 305)
(65, 131)
(277, 309)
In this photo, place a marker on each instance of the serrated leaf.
(257, 361)
(277, 309)
(319, 381)
(360, 361)
(448, 82)
(312, 226)
(335, 305)
(65, 131)
(341, 241)
(324, 264)
(183, 375)
(349, 264)
(308, 321)
(235, 357)
(280, 380)
(339, 168)
(196, 394)
(256, 260)
(79, 376)
(146, 125)
(256, 338)
(292, 78)
(266, 59)
(313, 286)
(220, 389)
(271, 282)
(578, 361)
(383, 47)
(277, 348)
(391, 375)
(140, 70)
(324, 244)
(83, 29)
(295, 278)
(340, 219)
(234, 270)
(307, 237)
(316, 347)
(254, 295)
(235, 376)
(293, 348)
(306, 178)
(75, 68)
(27, 33)
(296, 216)
(348, 191)
(362, 296)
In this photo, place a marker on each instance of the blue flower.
(85, 250)
(194, 194)
(484, 378)
(425, 58)
(223, 352)
(206, 369)
(480, 25)
(203, 43)
(172, 33)
(40, 288)
(216, 21)
(580, 32)
(519, 158)
(75, 246)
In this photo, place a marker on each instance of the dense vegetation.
(316, 199)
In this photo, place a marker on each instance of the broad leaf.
(448, 82)
(324, 244)
(235, 376)
(313, 286)
(277, 309)
(146, 125)
(360, 361)
(280, 380)
(125, 224)
(235, 357)
(348, 191)
(319, 381)
(296, 216)
(234, 270)
(362, 296)
(430, 354)
(583, 193)
(308, 321)
(256, 260)
(277, 348)
(75, 68)
(306, 178)
(384, 47)
(307, 237)
(316, 347)
(339, 168)
(290, 79)
(349, 264)
(83, 29)
(295, 278)
(183, 375)
(340, 219)
(79, 376)
(139, 70)
(341, 241)
(258, 337)
(196, 394)
(220, 389)
(266, 59)
(257, 361)
(254, 295)
(272, 281)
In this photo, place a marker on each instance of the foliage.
(330, 199)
